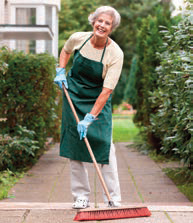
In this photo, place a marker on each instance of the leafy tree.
(144, 78)
(130, 93)
(73, 17)
(132, 12)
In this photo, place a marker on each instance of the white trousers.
(80, 183)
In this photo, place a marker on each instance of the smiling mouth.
(101, 30)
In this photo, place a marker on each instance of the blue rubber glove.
(83, 125)
(60, 77)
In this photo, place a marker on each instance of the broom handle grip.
(88, 146)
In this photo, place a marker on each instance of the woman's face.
(103, 26)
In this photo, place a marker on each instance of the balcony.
(32, 2)
(25, 32)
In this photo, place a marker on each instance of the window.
(49, 46)
(26, 16)
(27, 46)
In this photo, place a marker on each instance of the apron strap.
(103, 49)
(85, 42)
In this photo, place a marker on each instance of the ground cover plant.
(7, 180)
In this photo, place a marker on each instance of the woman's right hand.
(60, 77)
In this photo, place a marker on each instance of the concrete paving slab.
(11, 216)
(44, 194)
(60, 191)
(62, 206)
(61, 212)
(178, 216)
(48, 166)
(50, 216)
(157, 217)
(170, 208)
(150, 182)
(164, 197)
(30, 192)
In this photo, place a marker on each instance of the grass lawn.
(124, 129)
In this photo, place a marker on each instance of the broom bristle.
(112, 214)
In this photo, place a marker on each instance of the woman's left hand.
(83, 125)
(89, 117)
(60, 77)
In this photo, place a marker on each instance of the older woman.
(95, 72)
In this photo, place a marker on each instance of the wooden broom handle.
(88, 146)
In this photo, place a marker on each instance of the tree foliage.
(173, 120)
(130, 93)
(143, 79)
(132, 12)
(73, 17)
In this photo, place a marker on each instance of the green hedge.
(28, 94)
(142, 78)
(173, 121)
(162, 79)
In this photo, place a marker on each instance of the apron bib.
(85, 83)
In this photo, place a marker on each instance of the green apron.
(85, 83)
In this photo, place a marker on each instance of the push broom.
(108, 213)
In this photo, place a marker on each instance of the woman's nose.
(103, 24)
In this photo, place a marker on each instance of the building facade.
(30, 25)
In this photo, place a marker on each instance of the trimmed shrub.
(28, 94)
(142, 78)
(173, 121)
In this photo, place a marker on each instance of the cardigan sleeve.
(113, 72)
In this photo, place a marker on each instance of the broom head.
(112, 213)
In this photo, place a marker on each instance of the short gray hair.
(106, 10)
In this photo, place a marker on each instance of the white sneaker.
(80, 203)
(114, 204)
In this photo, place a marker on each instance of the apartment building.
(30, 25)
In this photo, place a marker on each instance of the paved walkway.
(43, 195)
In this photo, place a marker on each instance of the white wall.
(7, 13)
(40, 20)
(2, 10)
(39, 2)
(55, 30)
